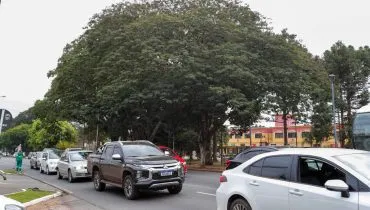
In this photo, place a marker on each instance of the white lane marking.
(203, 193)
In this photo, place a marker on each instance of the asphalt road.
(198, 192)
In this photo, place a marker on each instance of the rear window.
(275, 167)
(139, 150)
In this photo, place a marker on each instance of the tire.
(129, 189)
(70, 177)
(98, 185)
(239, 204)
(59, 175)
(175, 189)
(41, 171)
(47, 170)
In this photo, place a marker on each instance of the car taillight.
(223, 179)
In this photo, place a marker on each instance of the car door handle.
(296, 192)
(254, 183)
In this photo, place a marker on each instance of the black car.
(246, 155)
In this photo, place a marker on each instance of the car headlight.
(13, 207)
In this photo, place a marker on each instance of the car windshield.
(39, 154)
(53, 156)
(76, 157)
(136, 150)
(359, 162)
(84, 154)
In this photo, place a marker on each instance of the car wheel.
(59, 175)
(98, 185)
(70, 177)
(47, 170)
(239, 204)
(130, 190)
(41, 171)
(175, 189)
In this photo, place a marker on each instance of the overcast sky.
(33, 34)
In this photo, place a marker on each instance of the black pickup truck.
(133, 166)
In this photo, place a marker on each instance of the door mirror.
(167, 153)
(339, 186)
(116, 157)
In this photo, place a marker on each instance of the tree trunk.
(285, 128)
(206, 132)
(151, 138)
(349, 120)
(214, 154)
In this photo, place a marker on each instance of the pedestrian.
(19, 160)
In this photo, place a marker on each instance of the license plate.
(166, 173)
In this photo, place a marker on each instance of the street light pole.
(332, 79)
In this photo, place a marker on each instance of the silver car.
(73, 165)
(35, 160)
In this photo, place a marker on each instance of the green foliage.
(352, 69)
(45, 135)
(25, 117)
(63, 144)
(175, 68)
(12, 137)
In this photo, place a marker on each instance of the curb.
(39, 200)
(206, 170)
(53, 185)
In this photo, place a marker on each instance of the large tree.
(163, 64)
(351, 67)
(43, 134)
(11, 138)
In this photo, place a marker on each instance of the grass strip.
(29, 195)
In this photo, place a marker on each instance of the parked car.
(246, 155)
(299, 179)
(35, 160)
(83, 152)
(135, 165)
(73, 165)
(169, 152)
(49, 162)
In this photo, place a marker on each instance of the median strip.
(28, 195)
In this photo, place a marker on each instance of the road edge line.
(53, 185)
(39, 200)
(210, 194)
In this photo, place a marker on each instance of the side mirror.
(338, 186)
(167, 153)
(116, 157)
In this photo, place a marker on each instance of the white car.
(49, 162)
(298, 179)
(10, 204)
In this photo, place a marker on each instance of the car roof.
(322, 152)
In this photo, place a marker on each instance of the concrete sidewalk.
(16, 183)
(66, 202)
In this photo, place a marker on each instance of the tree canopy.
(178, 67)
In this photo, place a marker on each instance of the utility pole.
(332, 79)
